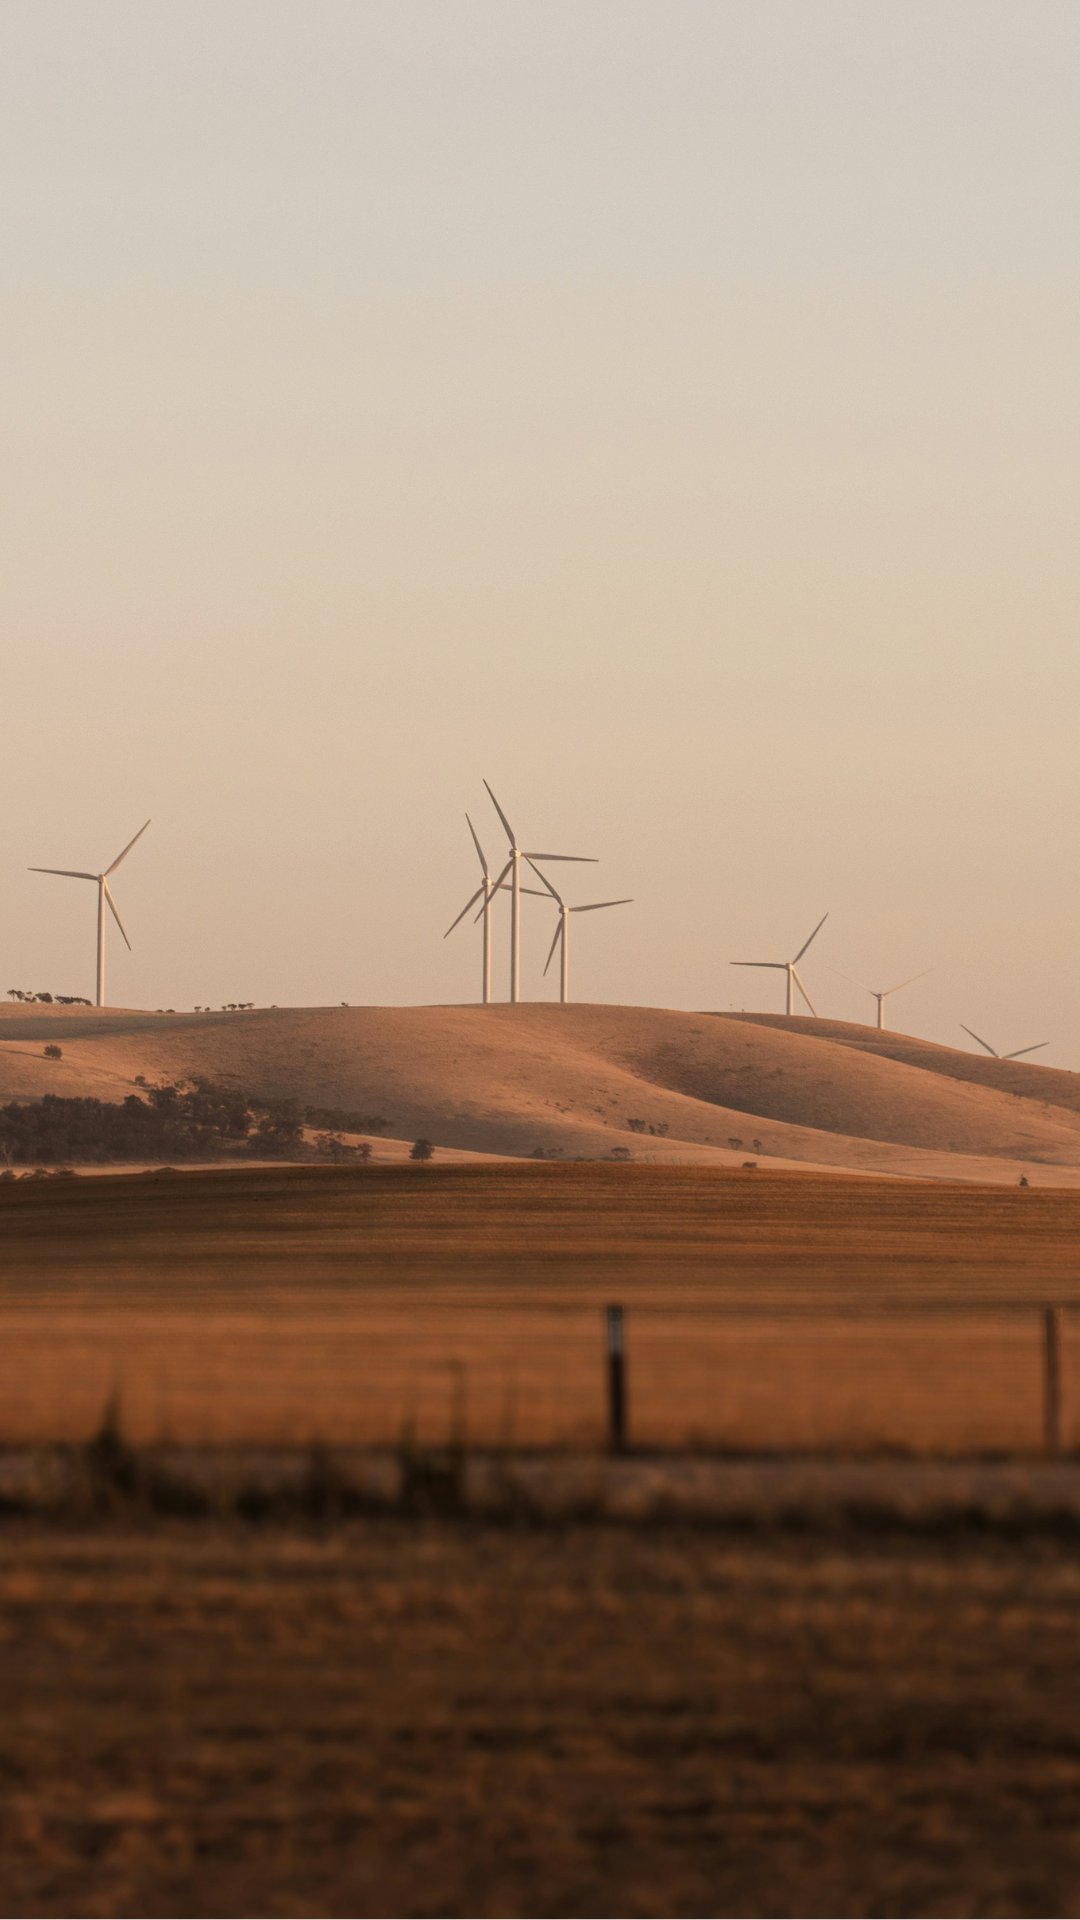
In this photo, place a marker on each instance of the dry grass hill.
(567, 1082)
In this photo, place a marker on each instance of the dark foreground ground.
(421, 1717)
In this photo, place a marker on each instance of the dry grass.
(569, 1080)
(401, 1719)
(285, 1305)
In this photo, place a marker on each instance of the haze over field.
(664, 411)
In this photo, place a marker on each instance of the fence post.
(616, 1380)
(1052, 1379)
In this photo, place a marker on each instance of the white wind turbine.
(1006, 1056)
(486, 891)
(513, 867)
(101, 881)
(882, 997)
(562, 931)
(788, 967)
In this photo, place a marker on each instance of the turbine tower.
(562, 931)
(487, 891)
(788, 967)
(513, 867)
(1006, 1056)
(882, 997)
(101, 881)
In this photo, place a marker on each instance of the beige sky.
(668, 411)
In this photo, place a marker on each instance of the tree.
(53, 1053)
(280, 1123)
(333, 1147)
(421, 1150)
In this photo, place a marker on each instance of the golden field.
(348, 1305)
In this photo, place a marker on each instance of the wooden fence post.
(1052, 1379)
(616, 1380)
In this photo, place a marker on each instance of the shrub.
(53, 1053)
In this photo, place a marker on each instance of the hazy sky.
(668, 411)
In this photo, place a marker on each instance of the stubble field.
(402, 1719)
(764, 1310)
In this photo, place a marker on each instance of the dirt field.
(402, 1719)
(763, 1309)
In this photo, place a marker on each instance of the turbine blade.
(985, 1043)
(860, 983)
(780, 965)
(801, 988)
(502, 817)
(595, 905)
(127, 850)
(1022, 1050)
(544, 878)
(554, 944)
(579, 859)
(115, 915)
(803, 948)
(479, 849)
(911, 982)
(66, 873)
(478, 895)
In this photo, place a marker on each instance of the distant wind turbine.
(788, 967)
(101, 881)
(1006, 1056)
(562, 931)
(484, 892)
(882, 997)
(513, 867)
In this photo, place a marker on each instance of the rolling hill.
(567, 1082)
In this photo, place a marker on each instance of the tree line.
(167, 1122)
(49, 999)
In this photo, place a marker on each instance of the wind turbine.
(513, 867)
(101, 881)
(1006, 1056)
(487, 891)
(562, 931)
(788, 967)
(882, 997)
